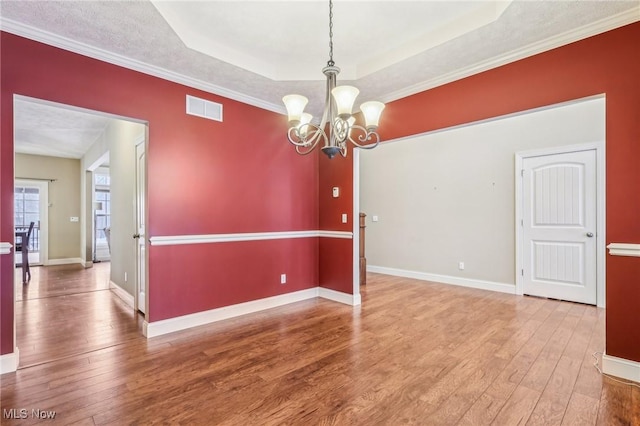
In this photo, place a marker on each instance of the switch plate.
(336, 192)
(374, 218)
(283, 278)
(461, 265)
(344, 218)
(74, 219)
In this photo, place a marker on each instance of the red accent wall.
(204, 177)
(336, 255)
(608, 63)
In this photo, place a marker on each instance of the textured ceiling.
(48, 129)
(404, 46)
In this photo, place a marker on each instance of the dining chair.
(23, 247)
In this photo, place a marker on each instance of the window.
(27, 206)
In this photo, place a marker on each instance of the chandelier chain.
(331, 63)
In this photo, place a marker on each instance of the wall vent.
(203, 108)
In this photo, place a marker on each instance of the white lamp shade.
(295, 106)
(305, 118)
(372, 111)
(345, 96)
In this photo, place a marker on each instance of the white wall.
(448, 196)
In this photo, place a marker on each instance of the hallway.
(68, 310)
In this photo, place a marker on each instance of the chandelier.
(337, 125)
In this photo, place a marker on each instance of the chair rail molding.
(624, 249)
(5, 248)
(247, 236)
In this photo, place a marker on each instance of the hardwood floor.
(413, 353)
(68, 310)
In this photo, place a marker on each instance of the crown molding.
(589, 30)
(84, 49)
(594, 28)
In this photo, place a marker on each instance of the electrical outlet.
(283, 278)
(344, 218)
(461, 265)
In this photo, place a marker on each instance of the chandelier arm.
(299, 138)
(364, 136)
(311, 145)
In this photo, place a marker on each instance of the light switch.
(336, 192)
(344, 218)
(374, 218)
(74, 219)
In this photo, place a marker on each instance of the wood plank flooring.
(68, 310)
(413, 353)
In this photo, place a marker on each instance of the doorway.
(560, 224)
(91, 294)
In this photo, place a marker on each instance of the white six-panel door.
(559, 226)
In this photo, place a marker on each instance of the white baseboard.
(445, 279)
(9, 362)
(66, 261)
(620, 367)
(122, 294)
(158, 328)
(338, 296)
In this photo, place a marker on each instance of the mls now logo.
(23, 413)
(15, 413)
(42, 414)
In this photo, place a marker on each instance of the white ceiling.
(258, 51)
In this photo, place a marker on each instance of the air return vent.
(203, 108)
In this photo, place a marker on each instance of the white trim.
(66, 261)
(338, 296)
(445, 279)
(248, 236)
(589, 30)
(122, 294)
(620, 367)
(334, 234)
(9, 362)
(601, 172)
(159, 328)
(624, 249)
(70, 45)
(356, 223)
(5, 248)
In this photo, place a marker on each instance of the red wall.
(608, 63)
(204, 177)
(336, 255)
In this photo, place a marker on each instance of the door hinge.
(522, 272)
(522, 172)
(521, 222)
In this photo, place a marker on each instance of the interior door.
(559, 226)
(31, 205)
(141, 263)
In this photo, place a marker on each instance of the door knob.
(590, 234)
(136, 236)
